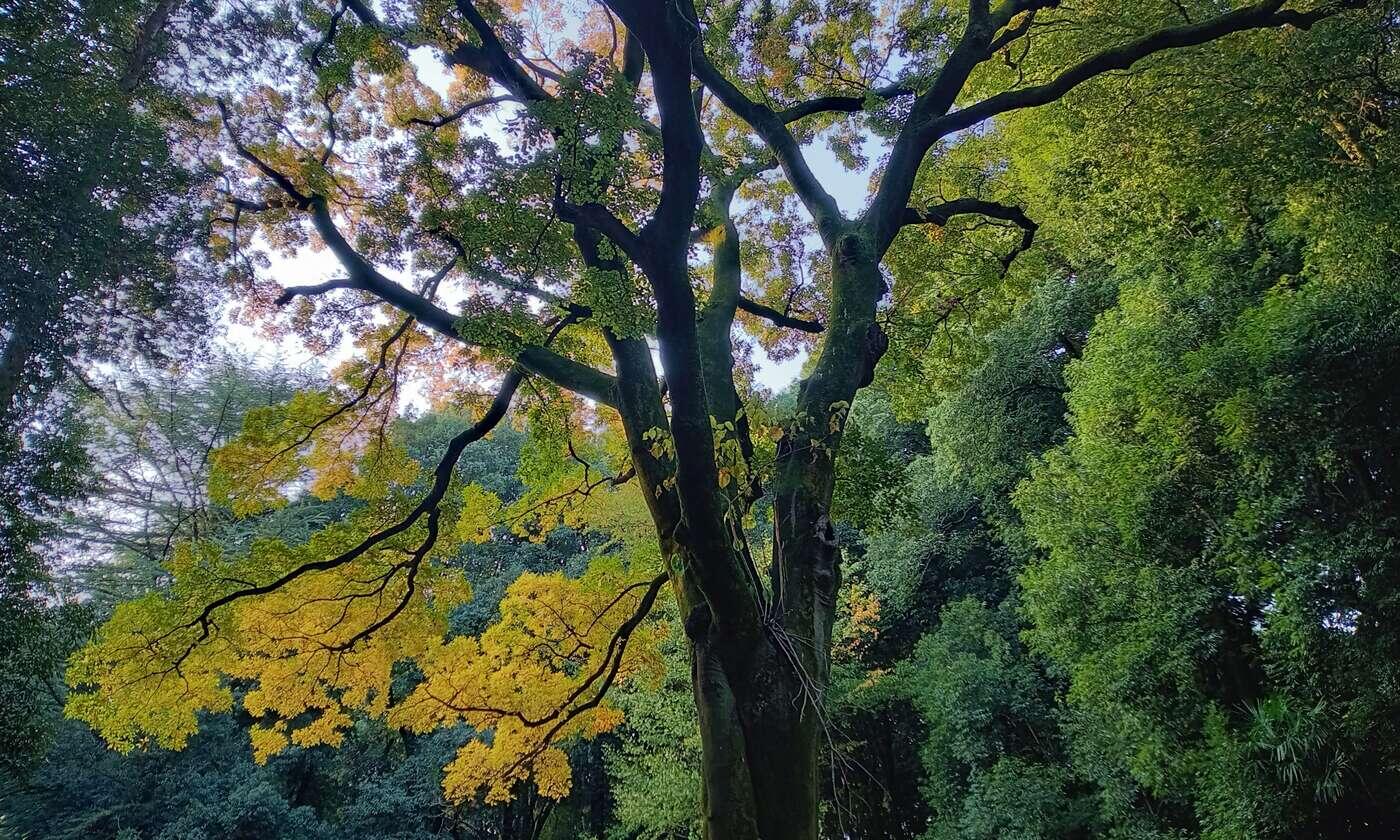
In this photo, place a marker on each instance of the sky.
(848, 188)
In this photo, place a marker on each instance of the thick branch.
(781, 319)
(773, 129)
(1019, 27)
(601, 219)
(940, 214)
(563, 371)
(291, 292)
(931, 120)
(300, 200)
(145, 45)
(445, 119)
(567, 373)
(842, 104)
(367, 278)
(1258, 16)
(666, 33)
(913, 143)
(492, 60)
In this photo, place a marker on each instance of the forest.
(699, 419)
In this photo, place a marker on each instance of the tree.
(1233, 191)
(1214, 533)
(148, 444)
(90, 201)
(92, 211)
(1199, 425)
(568, 254)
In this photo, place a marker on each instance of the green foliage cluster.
(1142, 583)
(1217, 535)
(92, 221)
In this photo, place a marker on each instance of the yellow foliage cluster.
(533, 679)
(305, 440)
(571, 480)
(858, 619)
(307, 636)
(481, 509)
(154, 665)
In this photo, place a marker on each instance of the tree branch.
(567, 373)
(1019, 28)
(561, 370)
(445, 119)
(773, 129)
(601, 219)
(492, 59)
(145, 46)
(844, 104)
(781, 319)
(669, 31)
(912, 143)
(1263, 15)
(299, 199)
(291, 292)
(442, 478)
(940, 214)
(931, 119)
(664, 32)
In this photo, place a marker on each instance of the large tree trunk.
(759, 691)
(760, 705)
(761, 733)
(759, 653)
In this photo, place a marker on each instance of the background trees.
(93, 214)
(1153, 581)
(1115, 513)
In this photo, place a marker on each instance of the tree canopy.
(1085, 485)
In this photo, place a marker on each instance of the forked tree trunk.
(759, 691)
(759, 695)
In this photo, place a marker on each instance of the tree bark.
(760, 729)
(759, 691)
